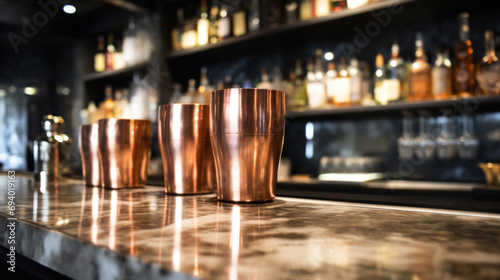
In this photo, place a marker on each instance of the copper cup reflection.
(247, 132)
(183, 132)
(89, 152)
(124, 152)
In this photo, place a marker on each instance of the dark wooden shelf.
(116, 74)
(457, 106)
(306, 24)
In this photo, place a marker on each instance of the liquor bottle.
(300, 90)
(420, 74)
(107, 107)
(441, 76)
(274, 14)
(315, 85)
(396, 82)
(331, 75)
(189, 37)
(253, 11)
(100, 57)
(463, 68)
(342, 85)
(292, 11)
(110, 50)
(379, 92)
(176, 33)
(213, 31)
(338, 5)
(129, 37)
(191, 94)
(224, 24)
(264, 83)
(322, 8)
(306, 9)
(278, 83)
(353, 4)
(118, 57)
(488, 68)
(203, 24)
(240, 21)
(205, 88)
(356, 82)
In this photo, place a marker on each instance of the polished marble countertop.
(95, 233)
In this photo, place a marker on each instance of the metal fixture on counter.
(52, 150)
(186, 152)
(492, 173)
(350, 169)
(247, 132)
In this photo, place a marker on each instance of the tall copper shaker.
(124, 152)
(183, 132)
(247, 131)
(89, 152)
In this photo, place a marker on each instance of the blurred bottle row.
(347, 81)
(134, 45)
(202, 25)
(140, 101)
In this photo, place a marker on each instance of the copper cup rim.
(121, 120)
(248, 90)
(185, 105)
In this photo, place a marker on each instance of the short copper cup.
(247, 131)
(89, 152)
(124, 152)
(186, 153)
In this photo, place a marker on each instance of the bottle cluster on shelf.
(210, 25)
(140, 101)
(132, 46)
(347, 81)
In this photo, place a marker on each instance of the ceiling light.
(69, 9)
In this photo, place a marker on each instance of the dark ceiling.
(89, 17)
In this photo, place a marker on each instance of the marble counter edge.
(59, 252)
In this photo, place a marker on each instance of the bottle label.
(420, 86)
(315, 94)
(239, 23)
(441, 81)
(224, 27)
(342, 90)
(392, 89)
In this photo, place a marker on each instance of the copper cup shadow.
(124, 152)
(247, 131)
(89, 153)
(186, 152)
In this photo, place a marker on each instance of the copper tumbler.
(124, 152)
(186, 153)
(247, 131)
(89, 152)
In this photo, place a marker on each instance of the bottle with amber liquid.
(488, 68)
(441, 76)
(203, 25)
(463, 68)
(420, 74)
(100, 57)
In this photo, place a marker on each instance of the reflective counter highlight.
(84, 232)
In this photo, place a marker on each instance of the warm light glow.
(329, 56)
(113, 217)
(235, 242)
(69, 9)
(350, 177)
(176, 256)
(30, 90)
(379, 73)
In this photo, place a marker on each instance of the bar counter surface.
(96, 233)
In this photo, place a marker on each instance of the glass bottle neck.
(489, 42)
(463, 30)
